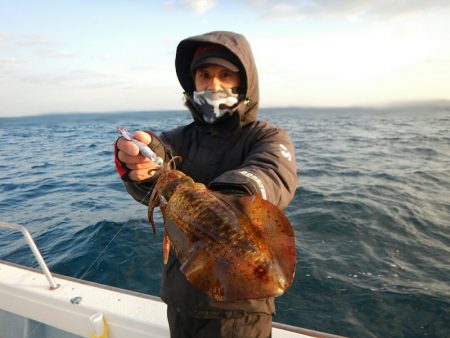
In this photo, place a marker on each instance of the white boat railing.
(36, 252)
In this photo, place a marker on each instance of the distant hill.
(406, 106)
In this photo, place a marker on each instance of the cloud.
(27, 40)
(196, 6)
(30, 59)
(12, 61)
(31, 44)
(79, 78)
(273, 9)
(199, 6)
(53, 53)
(17, 71)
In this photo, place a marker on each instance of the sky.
(110, 56)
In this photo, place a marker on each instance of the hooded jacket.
(239, 154)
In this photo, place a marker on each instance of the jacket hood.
(240, 47)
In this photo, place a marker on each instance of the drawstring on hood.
(240, 49)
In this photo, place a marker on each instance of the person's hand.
(140, 166)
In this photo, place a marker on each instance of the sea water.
(371, 212)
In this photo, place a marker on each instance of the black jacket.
(239, 154)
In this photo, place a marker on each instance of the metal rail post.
(36, 252)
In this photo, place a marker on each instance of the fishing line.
(143, 199)
(104, 249)
(118, 232)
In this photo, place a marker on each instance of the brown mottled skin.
(232, 248)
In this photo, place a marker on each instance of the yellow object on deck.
(100, 326)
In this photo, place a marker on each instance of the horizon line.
(399, 105)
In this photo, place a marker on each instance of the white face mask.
(214, 105)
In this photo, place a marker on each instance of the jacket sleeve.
(140, 191)
(269, 169)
